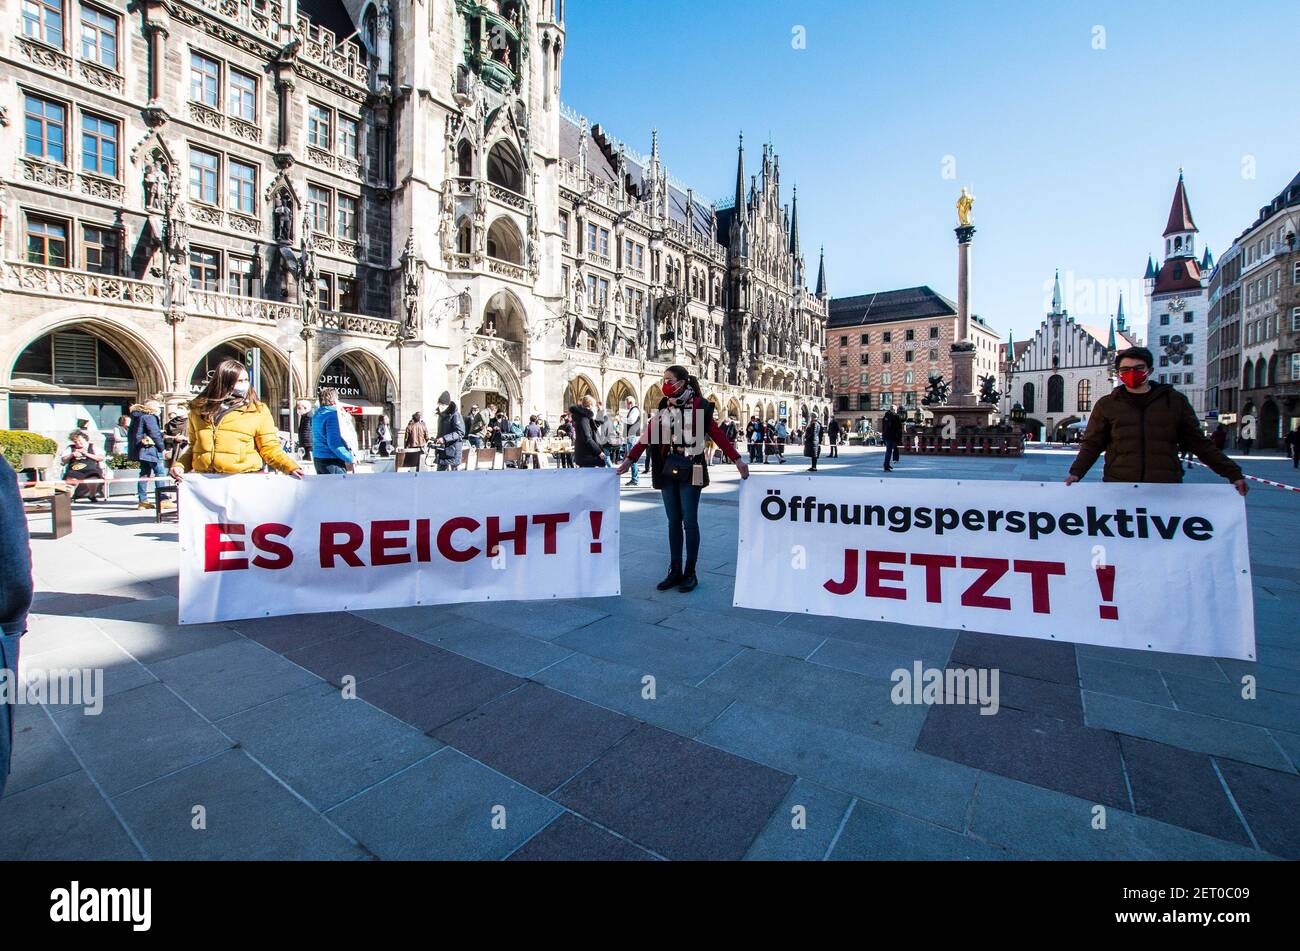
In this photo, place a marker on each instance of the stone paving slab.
(571, 839)
(1190, 731)
(143, 734)
(1123, 680)
(804, 826)
(361, 655)
(65, 819)
(437, 688)
(1270, 802)
(40, 754)
(661, 651)
(537, 736)
(874, 833)
(676, 796)
(325, 747)
(518, 654)
(447, 806)
(234, 676)
(246, 815)
(1180, 787)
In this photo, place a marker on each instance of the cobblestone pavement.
(533, 712)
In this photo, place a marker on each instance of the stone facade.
(388, 193)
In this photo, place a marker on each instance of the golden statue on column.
(965, 202)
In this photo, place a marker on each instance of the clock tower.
(1178, 304)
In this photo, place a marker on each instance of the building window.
(203, 176)
(886, 357)
(98, 37)
(347, 217)
(864, 358)
(102, 250)
(1189, 317)
(1085, 396)
(934, 333)
(205, 269)
(1164, 340)
(1164, 320)
(909, 378)
(318, 208)
(1295, 319)
(887, 336)
(205, 80)
(318, 126)
(348, 295)
(325, 292)
(564, 230)
(46, 126)
(844, 359)
(1295, 366)
(1027, 398)
(909, 334)
(239, 275)
(591, 237)
(243, 96)
(43, 20)
(347, 137)
(908, 355)
(934, 354)
(886, 378)
(47, 241)
(243, 187)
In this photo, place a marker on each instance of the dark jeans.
(891, 453)
(8, 661)
(144, 489)
(835, 449)
(682, 506)
(330, 466)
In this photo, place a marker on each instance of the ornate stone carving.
(45, 173)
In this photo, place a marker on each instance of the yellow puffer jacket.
(243, 441)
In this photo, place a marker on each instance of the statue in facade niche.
(178, 282)
(282, 217)
(156, 181)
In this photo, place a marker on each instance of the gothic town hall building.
(388, 197)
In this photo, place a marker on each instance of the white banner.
(260, 545)
(1149, 567)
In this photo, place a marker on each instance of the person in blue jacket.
(15, 601)
(330, 452)
(144, 444)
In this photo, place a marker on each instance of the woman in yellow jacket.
(231, 430)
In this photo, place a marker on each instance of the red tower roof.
(1180, 213)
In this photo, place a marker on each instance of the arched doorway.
(619, 393)
(1266, 435)
(85, 372)
(734, 411)
(578, 387)
(272, 384)
(491, 387)
(366, 389)
(504, 241)
(652, 398)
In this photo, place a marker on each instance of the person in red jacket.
(679, 468)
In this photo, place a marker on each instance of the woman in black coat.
(588, 453)
(451, 432)
(812, 441)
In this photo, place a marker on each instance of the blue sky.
(1072, 151)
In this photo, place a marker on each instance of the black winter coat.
(586, 442)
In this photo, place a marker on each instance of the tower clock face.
(1177, 304)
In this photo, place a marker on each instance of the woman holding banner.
(231, 430)
(679, 467)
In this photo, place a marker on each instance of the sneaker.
(674, 578)
(144, 505)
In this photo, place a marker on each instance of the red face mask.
(1134, 377)
(672, 388)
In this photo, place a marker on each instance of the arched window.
(504, 168)
(464, 160)
(371, 31)
(1272, 371)
(464, 237)
(1085, 395)
(1056, 393)
(1027, 398)
(504, 242)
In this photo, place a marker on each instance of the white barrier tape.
(1280, 485)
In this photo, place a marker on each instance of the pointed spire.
(740, 175)
(1056, 294)
(1151, 269)
(794, 222)
(1180, 212)
(1207, 260)
(1119, 317)
(821, 274)
(1110, 340)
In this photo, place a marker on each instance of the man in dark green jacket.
(1142, 426)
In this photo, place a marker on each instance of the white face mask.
(240, 388)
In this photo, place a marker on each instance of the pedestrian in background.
(533, 443)
(331, 453)
(231, 430)
(588, 452)
(305, 442)
(414, 441)
(451, 432)
(754, 434)
(1292, 443)
(384, 436)
(175, 433)
(83, 465)
(833, 433)
(15, 600)
(891, 433)
(633, 421)
(116, 443)
(679, 471)
(565, 432)
(812, 441)
(145, 444)
(1141, 426)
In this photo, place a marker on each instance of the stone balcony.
(66, 284)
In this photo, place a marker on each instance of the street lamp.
(290, 337)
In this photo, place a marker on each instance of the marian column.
(963, 348)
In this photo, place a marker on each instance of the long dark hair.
(221, 385)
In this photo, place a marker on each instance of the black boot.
(674, 578)
(688, 579)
